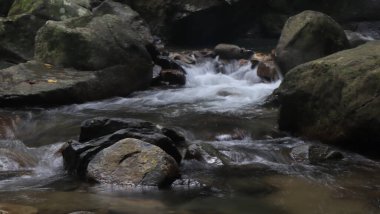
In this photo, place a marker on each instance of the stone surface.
(17, 209)
(229, 51)
(114, 35)
(315, 154)
(335, 99)
(133, 162)
(308, 36)
(33, 83)
(51, 10)
(100, 133)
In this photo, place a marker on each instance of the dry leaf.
(52, 81)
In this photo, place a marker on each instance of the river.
(249, 168)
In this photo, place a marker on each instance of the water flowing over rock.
(335, 99)
(308, 36)
(133, 162)
(104, 133)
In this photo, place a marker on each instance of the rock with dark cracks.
(100, 133)
(133, 162)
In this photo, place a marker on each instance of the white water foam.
(207, 90)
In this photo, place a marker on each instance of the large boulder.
(51, 10)
(32, 83)
(308, 36)
(133, 162)
(114, 35)
(98, 134)
(25, 18)
(335, 99)
(17, 37)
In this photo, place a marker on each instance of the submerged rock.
(308, 36)
(335, 99)
(315, 154)
(133, 162)
(17, 209)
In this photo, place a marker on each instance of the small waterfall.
(21, 166)
(212, 86)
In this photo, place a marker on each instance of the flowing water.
(248, 167)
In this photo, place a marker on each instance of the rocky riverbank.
(56, 53)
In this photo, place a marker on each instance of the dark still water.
(249, 168)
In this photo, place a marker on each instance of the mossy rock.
(308, 36)
(51, 10)
(335, 99)
(113, 35)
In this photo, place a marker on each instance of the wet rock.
(335, 99)
(356, 38)
(133, 162)
(266, 66)
(182, 58)
(114, 35)
(267, 71)
(51, 10)
(17, 209)
(308, 36)
(228, 51)
(173, 77)
(315, 154)
(167, 63)
(100, 133)
(36, 84)
(15, 157)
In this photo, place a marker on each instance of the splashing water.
(207, 90)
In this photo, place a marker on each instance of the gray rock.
(114, 35)
(335, 99)
(228, 51)
(133, 162)
(315, 154)
(33, 83)
(100, 133)
(308, 36)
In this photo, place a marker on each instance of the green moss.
(25, 6)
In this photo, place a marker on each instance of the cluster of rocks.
(72, 52)
(328, 93)
(127, 152)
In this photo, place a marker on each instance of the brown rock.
(173, 77)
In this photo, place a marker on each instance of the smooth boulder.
(38, 84)
(229, 51)
(100, 133)
(133, 162)
(308, 36)
(113, 35)
(335, 99)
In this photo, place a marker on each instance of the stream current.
(249, 168)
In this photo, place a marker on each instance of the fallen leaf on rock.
(48, 66)
(52, 81)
